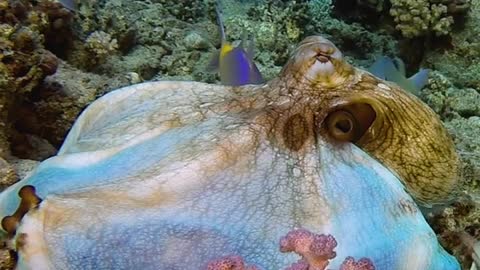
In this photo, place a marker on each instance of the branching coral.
(316, 251)
(229, 263)
(418, 17)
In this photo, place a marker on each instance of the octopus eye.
(342, 125)
(350, 122)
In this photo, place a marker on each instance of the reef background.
(54, 62)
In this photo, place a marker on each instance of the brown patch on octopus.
(295, 132)
(28, 201)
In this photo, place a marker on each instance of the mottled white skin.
(163, 175)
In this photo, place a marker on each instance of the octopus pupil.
(344, 125)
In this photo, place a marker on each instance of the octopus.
(323, 167)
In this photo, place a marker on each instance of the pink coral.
(362, 264)
(315, 249)
(300, 265)
(229, 263)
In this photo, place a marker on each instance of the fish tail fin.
(248, 44)
(244, 39)
(69, 4)
(221, 27)
(400, 65)
(420, 79)
(250, 49)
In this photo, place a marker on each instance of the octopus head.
(319, 62)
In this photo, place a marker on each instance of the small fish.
(234, 64)
(394, 70)
(68, 4)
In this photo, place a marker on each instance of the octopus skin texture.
(178, 175)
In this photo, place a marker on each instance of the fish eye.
(350, 122)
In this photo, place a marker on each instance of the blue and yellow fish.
(234, 64)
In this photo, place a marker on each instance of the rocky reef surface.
(54, 62)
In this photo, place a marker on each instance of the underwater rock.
(101, 44)
(144, 60)
(456, 106)
(25, 29)
(7, 174)
(434, 93)
(465, 102)
(465, 134)
(32, 147)
(461, 69)
(455, 222)
(23, 167)
(5, 261)
(450, 101)
(195, 41)
(50, 110)
(459, 61)
(187, 172)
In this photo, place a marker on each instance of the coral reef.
(411, 18)
(24, 62)
(461, 62)
(453, 223)
(101, 44)
(27, 30)
(357, 40)
(459, 109)
(418, 17)
(50, 110)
